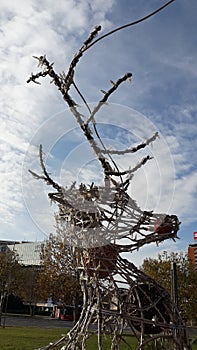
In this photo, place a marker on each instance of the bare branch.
(70, 74)
(36, 176)
(133, 149)
(46, 176)
(107, 94)
(59, 81)
(130, 171)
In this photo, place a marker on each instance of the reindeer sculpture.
(99, 224)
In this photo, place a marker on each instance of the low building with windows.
(4, 245)
(28, 252)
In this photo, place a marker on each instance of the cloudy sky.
(161, 54)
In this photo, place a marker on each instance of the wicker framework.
(99, 224)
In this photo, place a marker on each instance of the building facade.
(192, 250)
(28, 253)
(4, 245)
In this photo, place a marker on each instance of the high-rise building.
(192, 250)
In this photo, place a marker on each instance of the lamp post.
(174, 287)
(174, 293)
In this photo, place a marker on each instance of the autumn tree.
(160, 270)
(56, 278)
(10, 272)
(29, 292)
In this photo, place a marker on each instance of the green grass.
(27, 338)
(106, 345)
(194, 345)
(30, 338)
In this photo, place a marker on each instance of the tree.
(17, 281)
(29, 291)
(9, 276)
(160, 270)
(56, 278)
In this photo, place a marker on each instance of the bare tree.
(99, 223)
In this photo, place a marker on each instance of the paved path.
(36, 321)
(48, 322)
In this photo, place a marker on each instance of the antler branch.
(46, 176)
(64, 82)
(133, 149)
(107, 94)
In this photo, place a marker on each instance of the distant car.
(67, 314)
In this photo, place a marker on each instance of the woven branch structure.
(101, 223)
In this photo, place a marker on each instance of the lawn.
(27, 338)
(30, 338)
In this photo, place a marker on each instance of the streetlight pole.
(174, 293)
(174, 286)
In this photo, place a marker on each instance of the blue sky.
(161, 54)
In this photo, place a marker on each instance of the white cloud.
(33, 28)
